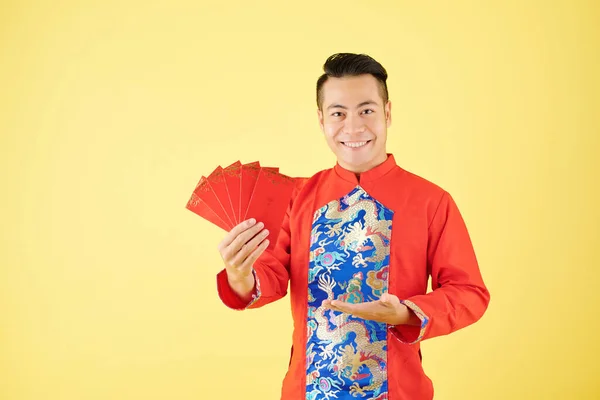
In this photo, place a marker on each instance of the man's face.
(355, 121)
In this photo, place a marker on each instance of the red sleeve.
(271, 269)
(459, 297)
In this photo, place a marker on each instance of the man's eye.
(336, 114)
(368, 111)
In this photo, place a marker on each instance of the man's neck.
(366, 168)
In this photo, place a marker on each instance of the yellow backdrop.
(111, 111)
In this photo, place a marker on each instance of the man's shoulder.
(304, 185)
(308, 181)
(418, 183)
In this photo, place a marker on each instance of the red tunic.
(352, 239)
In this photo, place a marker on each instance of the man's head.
(354, 110)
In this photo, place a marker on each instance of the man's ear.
(320, 115)
(388, 113)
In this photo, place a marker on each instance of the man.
(357, 245)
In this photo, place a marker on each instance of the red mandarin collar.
(367, 176)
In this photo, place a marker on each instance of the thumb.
(390, 299)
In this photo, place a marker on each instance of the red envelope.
(270, 200)
(247, 187)
(206, 194)
(249, 173)
(217, 183)
(238, 192)
(233, 178)
(198, 206)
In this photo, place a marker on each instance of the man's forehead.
(351, 91)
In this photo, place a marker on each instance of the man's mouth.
(355, 145)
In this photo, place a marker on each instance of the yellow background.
(111, 111)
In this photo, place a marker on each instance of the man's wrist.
(406, 316)
(243, 287)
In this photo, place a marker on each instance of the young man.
(358, 244)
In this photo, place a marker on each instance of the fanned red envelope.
(238, 192)
(269, 201)
(249, 173)
(233, 179)
(217, 183)
(198, 206)
(205, 203)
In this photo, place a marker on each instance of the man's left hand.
(388, 310)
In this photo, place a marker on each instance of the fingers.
(234, 233)
(348, 308)
(337, 305)
(229, 247)
(361, 310)
(251, 259)
(382, 310)
(249, 247)
(244, 237)
(241, 247)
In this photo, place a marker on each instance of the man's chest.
(357, 239)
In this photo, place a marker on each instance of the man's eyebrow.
(364, 103)
(337, 106)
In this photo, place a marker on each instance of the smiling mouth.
(355, 145)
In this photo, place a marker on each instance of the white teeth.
(355, 144)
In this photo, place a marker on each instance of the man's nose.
(354, 124)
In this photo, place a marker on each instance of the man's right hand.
(240, 248)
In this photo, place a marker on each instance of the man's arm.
(459, 297)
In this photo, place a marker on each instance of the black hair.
(348, 64)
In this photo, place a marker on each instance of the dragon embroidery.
(349, 256)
